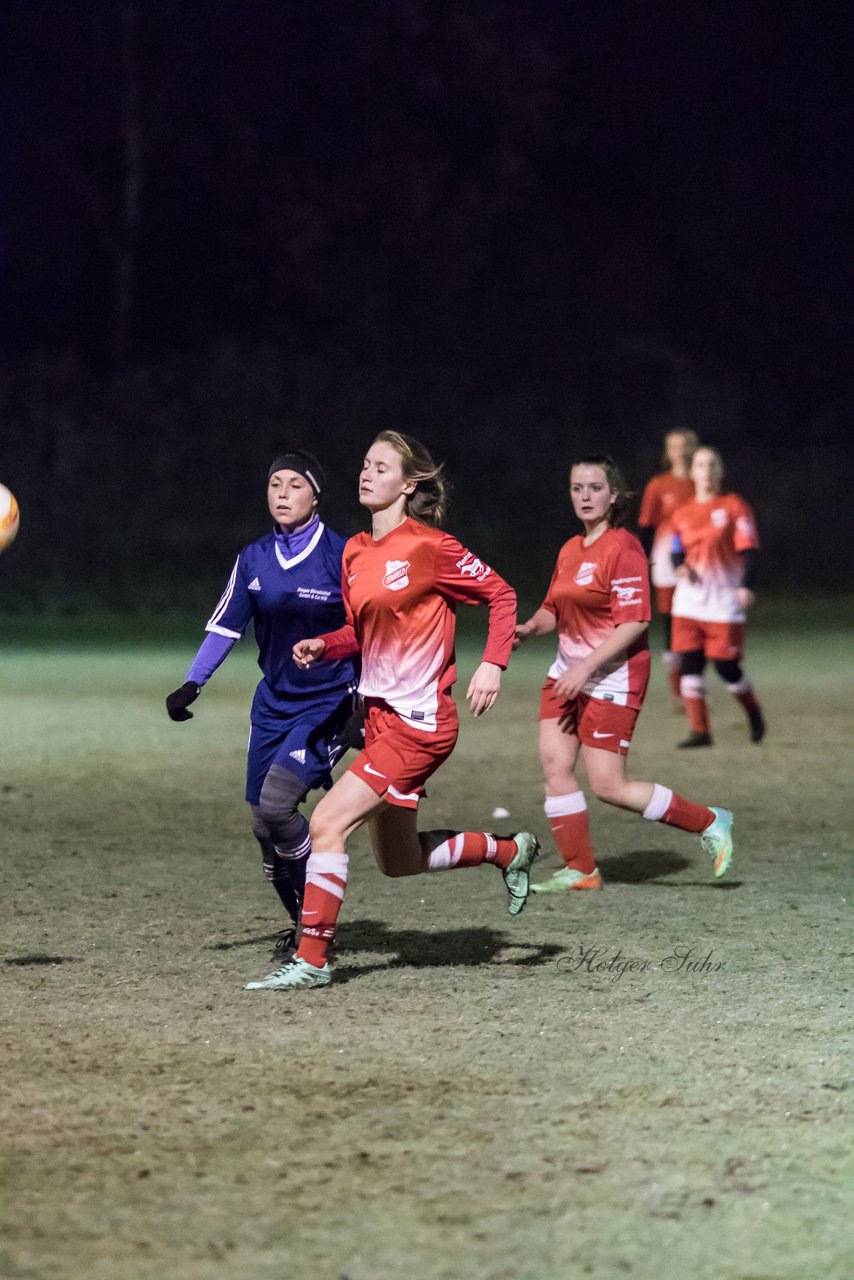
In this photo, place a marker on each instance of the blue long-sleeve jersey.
(287, 599)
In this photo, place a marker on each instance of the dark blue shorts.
(302, 734)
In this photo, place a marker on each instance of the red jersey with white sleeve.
(400, 593)
(593, 589)
(661, 497)
(711, 534)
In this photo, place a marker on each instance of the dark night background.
(519, 231)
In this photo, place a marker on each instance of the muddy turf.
(654, 1080)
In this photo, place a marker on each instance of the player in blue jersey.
(288, 584)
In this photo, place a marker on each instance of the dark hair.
(618, 510)
(304, 464)
(429, 500)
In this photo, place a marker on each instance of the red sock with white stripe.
(693, 692)
(450, 849)
(325, 882)
(665, 806)
(570, 826)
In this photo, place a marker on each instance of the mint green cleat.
(516, 877)
(717, 840)
(294, 973)
(569, 878)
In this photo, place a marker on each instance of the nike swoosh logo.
(350, 579)
(597, 734)
(375, 772)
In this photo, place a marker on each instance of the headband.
(302, 465)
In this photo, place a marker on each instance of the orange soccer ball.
(10, 517)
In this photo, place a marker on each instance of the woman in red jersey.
(598, 602)
(662, 495)
(714, 546)
(401, 583)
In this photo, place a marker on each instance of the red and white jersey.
(712, 534)
(400, 593)
(661, 497)
(593, 589)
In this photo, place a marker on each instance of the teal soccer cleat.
(516, 877)
(717, 840)
(295, 973)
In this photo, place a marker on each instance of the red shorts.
(397, 759)
(721, 640)
(664, 599)
(595, 723)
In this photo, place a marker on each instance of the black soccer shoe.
(286, 946)
(757, 725)
(695, 739)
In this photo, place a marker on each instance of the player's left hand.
(570, 683)
(484, 688)
(744, 598)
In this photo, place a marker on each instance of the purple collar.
(291, 544)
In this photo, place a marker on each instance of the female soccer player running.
(662, 495)
(401, 584)
(286, 583)
(598, 601)
(714, 550)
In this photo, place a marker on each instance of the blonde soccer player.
(598, 602)
(401, 584)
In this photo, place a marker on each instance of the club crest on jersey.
(584, 573)
(720, 518)
(396, 574)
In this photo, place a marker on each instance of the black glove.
(177, 702)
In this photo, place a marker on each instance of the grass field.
(472, 1098)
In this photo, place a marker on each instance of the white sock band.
(447, 854)
(662, 798)
(741, 686)
(322, 867)
(561, 806)
(692, 687)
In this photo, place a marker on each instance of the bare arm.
(305, 652)
(541, 623)
(572, 681)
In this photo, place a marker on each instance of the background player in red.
(714, 550)
(662, 495)
(401, 583)
(598, 601)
